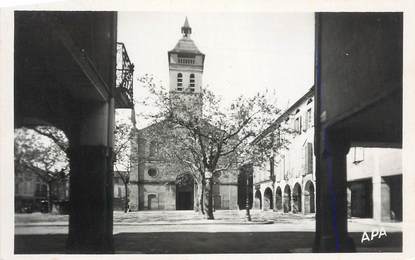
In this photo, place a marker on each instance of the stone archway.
(258, 200)
(79, 95)
(278, 198)
(268, 203)
(296, 198)
(309, 206)
(287, 199)
(185, 192)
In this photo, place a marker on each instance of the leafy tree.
(124, 134)
(216, 138)
(42, 150)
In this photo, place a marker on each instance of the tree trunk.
(49, 196)
(196, 206)
(209, 198)
(202, 196)
(126, 198)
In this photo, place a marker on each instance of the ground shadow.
(205, 243)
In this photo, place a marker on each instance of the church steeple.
(186, 29)
(186, 71)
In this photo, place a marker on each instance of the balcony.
(124, 79)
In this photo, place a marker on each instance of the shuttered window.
(308, 162)
(192, 82)
(179, 82)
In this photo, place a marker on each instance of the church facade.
(155, 184)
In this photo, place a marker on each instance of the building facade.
(287, 182)
(374, 178)
(31, 194)
(158, 184)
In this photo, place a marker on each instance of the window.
(119, 192)
(26, 187)
(179, 82)
(141, 148)
(301, 124)
(38, 192)
(153, 148)
(152, 172)
(192, 82)
(308, 119)
(44, 189)
(187, 61)
(279, 137)
(308, 163)
(297, 124)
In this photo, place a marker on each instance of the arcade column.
(91, 184)
(331, 216)
(381, 199)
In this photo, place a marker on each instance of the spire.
(186, 29)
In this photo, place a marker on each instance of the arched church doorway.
(258, 200)
(287, 198)
(184, 192)
(278, 199)
(297, 198)
(268, 199)
(309, 206)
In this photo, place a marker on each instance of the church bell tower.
(185, 73)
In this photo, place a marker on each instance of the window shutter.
(301, 124)
(305, 121)
(310, 118)
(310, 158)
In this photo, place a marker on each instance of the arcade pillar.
(331, 216)
(91, 187)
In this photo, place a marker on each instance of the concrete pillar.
(292, 202)
(331, 217)
(349, 202)
(91, 180)
(381, 199)
(305, 199)
(274, 199)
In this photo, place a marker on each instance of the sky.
(245, 52)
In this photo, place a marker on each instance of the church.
(154, 183)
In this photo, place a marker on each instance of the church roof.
(186, 45)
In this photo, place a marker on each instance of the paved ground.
(188, 232)
(176, 216)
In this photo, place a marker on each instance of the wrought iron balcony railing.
(124, 81)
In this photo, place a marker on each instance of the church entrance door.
(184, 192)
(184, 200)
